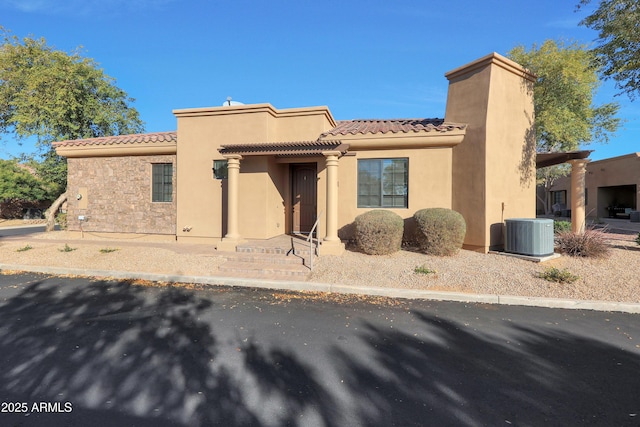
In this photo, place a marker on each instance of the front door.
(303, 197)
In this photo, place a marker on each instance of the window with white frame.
(383, 183)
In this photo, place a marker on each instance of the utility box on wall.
(529, 236)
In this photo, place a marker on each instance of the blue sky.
(363, 59)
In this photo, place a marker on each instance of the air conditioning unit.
(529, 236)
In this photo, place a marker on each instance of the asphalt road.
(75, 352)
(21, 230)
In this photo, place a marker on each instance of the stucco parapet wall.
(614, 159)
(161, 143)
(256, 108)
(492, 59)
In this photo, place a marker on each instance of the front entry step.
(300, 249)
(264, 258)
(271, 259)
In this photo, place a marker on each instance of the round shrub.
(561, 226)
(439, 231)
(379, 232)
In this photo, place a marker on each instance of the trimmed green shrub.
(440, 231)
(561, 226)
(591, 243)
(379, 232)
(638, 239)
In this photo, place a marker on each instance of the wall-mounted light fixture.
(220, 169)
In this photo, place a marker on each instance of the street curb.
(344, 289)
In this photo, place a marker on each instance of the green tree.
(21, 187)
(20, 183)
(618, 42)
(51, 95)
(565, 116)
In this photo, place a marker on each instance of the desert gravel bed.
(615, 278)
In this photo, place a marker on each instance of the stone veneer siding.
(119, 195)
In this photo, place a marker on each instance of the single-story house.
(612, 188)
(238, 172)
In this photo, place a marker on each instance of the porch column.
(331, 244)
(232, 238)
(578, 171)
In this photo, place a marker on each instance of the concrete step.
(299, 250)
(268, 269)
(264, 258)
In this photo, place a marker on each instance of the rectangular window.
(220, 169)
(383, 183)
(162, 182)
(559, 197)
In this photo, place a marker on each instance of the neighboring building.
(254, 172)
(612, 187)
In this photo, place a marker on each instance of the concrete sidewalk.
(292, 285)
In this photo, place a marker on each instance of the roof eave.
(392, 141)
(142, 149)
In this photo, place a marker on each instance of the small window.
(383, 183)
(560, 197)
(220, 169)
(162, 182)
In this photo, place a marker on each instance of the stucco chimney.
(494, 167)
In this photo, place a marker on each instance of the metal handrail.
(312, 252)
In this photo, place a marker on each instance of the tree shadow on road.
(460, 377)
(125, 354)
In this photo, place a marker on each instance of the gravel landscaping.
(614, 278)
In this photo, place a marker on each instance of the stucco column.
(232, 237)
(331, 243)
(578, 171)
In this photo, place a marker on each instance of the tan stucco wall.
(429, 183)
(488, 177)
(601, 174)
(263, 182)
(116, 196)
(494, 167)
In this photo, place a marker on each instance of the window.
(383, 183)
(220, 169)
(162, 182)
(559, 197)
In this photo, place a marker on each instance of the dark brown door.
(303, 205)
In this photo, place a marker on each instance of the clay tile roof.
(297, 148)
(373, 126)
(140, 138)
